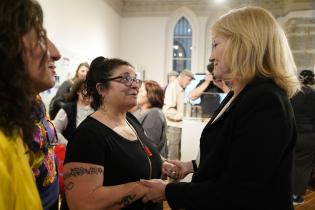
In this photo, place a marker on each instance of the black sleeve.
(201, 81)
(262, 139)
(86, 146)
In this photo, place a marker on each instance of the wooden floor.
(309, 203)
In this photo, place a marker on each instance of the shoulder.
(263, 95)
(264, 88)
(156, 112)
(132, 119)
(90, 127)
(66, 83)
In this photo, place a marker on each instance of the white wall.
(85, 29)
(143, 45)
(82, 29)
(144, 41)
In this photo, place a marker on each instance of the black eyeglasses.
(126, 79)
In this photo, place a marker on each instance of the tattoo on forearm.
(74, 172)
(69, 186)
(125, 201)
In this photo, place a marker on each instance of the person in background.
(171, 76)
(109, 152)
(76, 109)
(174, 111)
(58, 101)
(246, 149)
(206, 89)
(26, 69)
(303, 105)
(150, 115)
(209, 84)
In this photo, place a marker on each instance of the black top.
(58, 101)
(212, 88)
(245, 155)
(304, 109)
(210, 102)
(123, 160)
(71, 111)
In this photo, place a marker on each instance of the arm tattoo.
(125, 201)
(74, 172)
(69, 186)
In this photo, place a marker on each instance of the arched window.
(182, 45)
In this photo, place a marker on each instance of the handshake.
(154, 189)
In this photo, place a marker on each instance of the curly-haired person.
(26, 68)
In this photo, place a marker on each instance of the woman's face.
(119, 94)
(142, 96)
(83, 99)
(39, 58)
(82, 72)
(217, 57)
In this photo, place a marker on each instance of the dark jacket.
(71, 111)
(246, 155)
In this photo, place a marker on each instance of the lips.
(51, 66)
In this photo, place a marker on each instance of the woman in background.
(59, 100)
(76, 109)
(304, 109)
(27, 68)
(150, 115)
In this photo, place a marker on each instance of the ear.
(100, 89)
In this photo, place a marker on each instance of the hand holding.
(183, 168)
(170, 169)
(141, 189)
(156, 192)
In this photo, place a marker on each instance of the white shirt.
(61, 120)
(174, 104)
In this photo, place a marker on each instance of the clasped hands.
(154, 189)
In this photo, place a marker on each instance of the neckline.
(117, 134)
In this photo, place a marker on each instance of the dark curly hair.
(101, 68)
(78, 86)
(18, 17)
(155, 93)
(307, 77)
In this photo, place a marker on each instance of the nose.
(135, 83)
(53, 51)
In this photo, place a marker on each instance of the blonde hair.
(257, 46)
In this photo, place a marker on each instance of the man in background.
(174, 110)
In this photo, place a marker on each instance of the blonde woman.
(246, 149)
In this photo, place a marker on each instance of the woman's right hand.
(176, 169)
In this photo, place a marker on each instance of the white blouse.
(61, 120)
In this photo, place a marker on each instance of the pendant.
(147, 151)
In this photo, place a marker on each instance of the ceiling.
(202, 7)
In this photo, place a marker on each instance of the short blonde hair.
(257, 46)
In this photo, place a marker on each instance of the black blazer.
(245, 155)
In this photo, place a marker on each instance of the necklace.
(145, 148)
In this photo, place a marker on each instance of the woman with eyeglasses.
(109, 152)
(27, 68)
